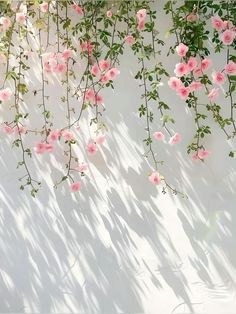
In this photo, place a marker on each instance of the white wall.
(120, 245)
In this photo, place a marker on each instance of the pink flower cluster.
(5, 23)
(103, 71)
(201, 154)
(141, 15)
(226, 29)
(56, 62)
(7, 129)
(159, 136)
(86, 46)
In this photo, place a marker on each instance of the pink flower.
(154, 178)
(228, 24)
(82, 167)
(87, 46)
(174, 139)
(195, 86)
(202, 153)
(197, 72)
(104, 64)
(40, 148)
(20, 130)
(227, 37)
(5, 22)
(112, 73)
(76, 8)
(91, 148)
(140, 25)
(89, 95)
(5, 94)
(109, 14)
(230, 68)
(141, 15)
(218, 77)
(60, 68)
(181, 49)
(100, 139)
(66, 53)
(192, 63)
(75, 186)
(20, 18)
(129, 40)
(95, 70)
(194, 157)
(44, 7)
(181, 69)
(214, 93)
(204, 64)
(192, 18)
(98, 100)
(104, 79)
(183, 92)
(7, 129)
(217, 23)
(159, 136)
(174, 82)
(67, 135)
(54, 135)
(48, 148)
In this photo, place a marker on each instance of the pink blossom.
(159, 136)
(192, 63)
(197, 72)
(66, 53)
(154, 178)
(60, 68)
(104, 79)
(104, 64)
(75, 186)
(112, 73)
(181, 69)
(54, 135)
(174, 82)
(5, 94)
(91, 148)
(181, 49)
(48, 148)
(82, 167)
(217, 23)
(214, 93)
(218, 77)
(140, 25)
(98, 100)
(227, 37)
(7, 129)
(129, 40)
(174, 139)
(141, 14)
(100, 139)
(202, 153)
(183, 92)
(195, 86)
(194, 157)
(95, 70)
(77, 9)
(5, 22)
(20, 130)
(109, 13)
(67, 135)
(204, 64)
(20, 18)
(230, 68)
(89, 95)
(228, 24)
(40, 148)
(192, 18)
(43, 7)
(87, 46)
